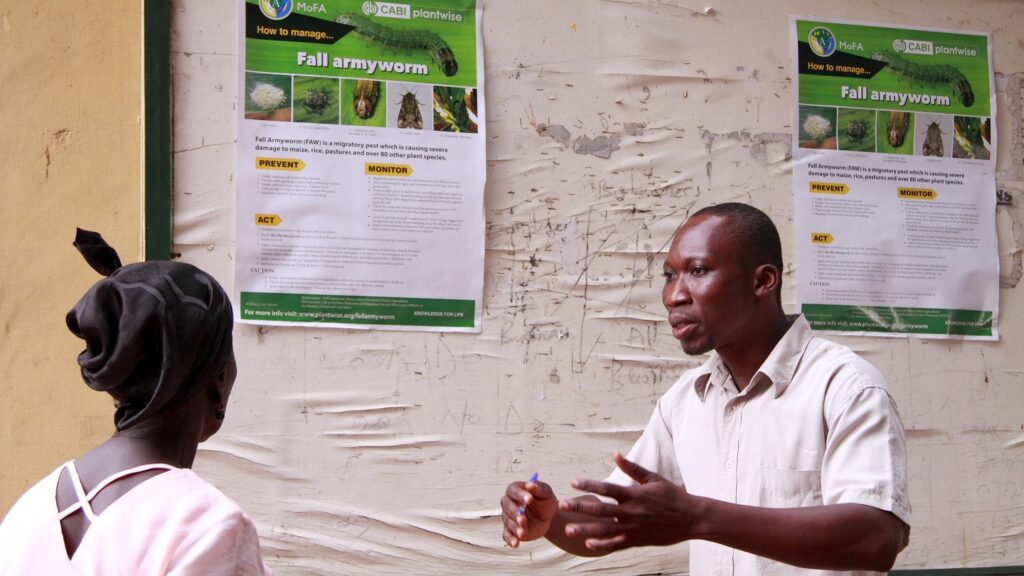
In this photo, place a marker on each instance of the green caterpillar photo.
(928, 73)
(395, 39)
(364, 98)
(972, 137)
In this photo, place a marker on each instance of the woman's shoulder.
(174, 522)
(30, 530)
(219, 536)
(186, 489)
(37, 500)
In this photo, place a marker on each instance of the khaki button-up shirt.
(816, 425)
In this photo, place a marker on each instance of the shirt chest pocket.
(783, 488)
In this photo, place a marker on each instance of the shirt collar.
(778, 367)
(711, 370)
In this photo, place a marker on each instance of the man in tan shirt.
(782, 454)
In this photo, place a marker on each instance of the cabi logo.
(276, 9)
(387, 10)
(913, 46)
(822, 41)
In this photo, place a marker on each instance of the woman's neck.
(137, 447)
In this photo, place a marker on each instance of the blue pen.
(522, 509)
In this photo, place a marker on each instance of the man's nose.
(676, 293)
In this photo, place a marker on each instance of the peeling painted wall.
(609, 121)
(70, 143)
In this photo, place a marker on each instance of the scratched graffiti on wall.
(386, 453)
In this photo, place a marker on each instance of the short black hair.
(755, 231)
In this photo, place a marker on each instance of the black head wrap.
(153, 330)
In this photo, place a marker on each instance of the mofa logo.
(822, 41)
(276, 9)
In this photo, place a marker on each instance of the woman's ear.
(221, 386)
(220, 389)
(767, 280)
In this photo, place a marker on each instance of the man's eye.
(698, 270)
(668, 274)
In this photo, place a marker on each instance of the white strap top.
(84, 499)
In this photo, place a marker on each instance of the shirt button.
(728, 463)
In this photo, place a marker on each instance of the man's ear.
(767, 280)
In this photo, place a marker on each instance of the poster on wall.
(360, 165)
(894, 180)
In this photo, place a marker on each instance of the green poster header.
(857, 66)
(430, 42)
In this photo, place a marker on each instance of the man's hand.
(838, 537)
(527, 509)
(655, 513)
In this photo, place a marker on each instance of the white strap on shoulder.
(84, 499)
(123, 474)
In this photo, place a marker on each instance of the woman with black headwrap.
(158, 340)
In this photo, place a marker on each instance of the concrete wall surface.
(608, 121)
